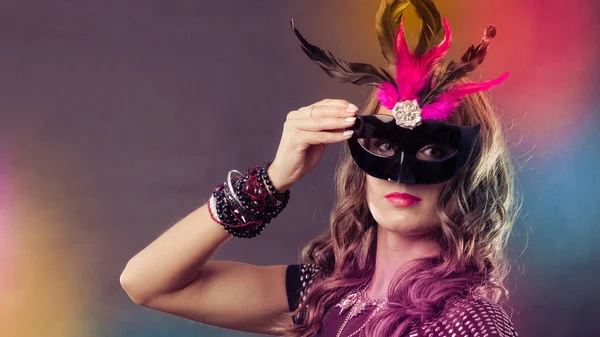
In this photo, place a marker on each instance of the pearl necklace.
(357, 302)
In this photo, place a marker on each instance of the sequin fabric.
(474, 318)
(307, 273)
(462, 317)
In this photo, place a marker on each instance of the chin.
(406, 227)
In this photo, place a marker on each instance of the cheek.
(373, 185)
(431, 194)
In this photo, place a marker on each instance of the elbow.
(131, 288)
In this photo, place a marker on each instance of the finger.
(323, 111)
(324, 137)
(333, 102)
(321, 124)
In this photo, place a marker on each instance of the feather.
(472, 58)
(448, 101)
(387, 20)
(413, 72)
(356, 73)
(429, 61)
(475, 55)
(471, 88)
(436, 53)
(440, 82)
(441, 108)
(406, 66)
(431, 29)
(388, 95)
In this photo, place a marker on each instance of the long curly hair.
(477, 210)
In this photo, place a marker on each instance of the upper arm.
(232, 295)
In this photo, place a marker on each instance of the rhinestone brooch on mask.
(407, 114)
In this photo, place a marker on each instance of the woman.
(423, 212)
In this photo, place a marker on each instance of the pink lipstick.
(402, 199)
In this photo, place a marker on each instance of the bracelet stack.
(243, 206)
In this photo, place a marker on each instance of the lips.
(402, 199)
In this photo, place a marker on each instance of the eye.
(378, 146)
(383, 146)
(435, 152)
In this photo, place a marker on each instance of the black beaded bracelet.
(261, 208)
(264, 176)
(246, 211)
(227, 218)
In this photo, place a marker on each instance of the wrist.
(279, 182)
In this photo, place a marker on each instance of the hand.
(305, 136)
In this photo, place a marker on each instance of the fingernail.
(352, 108)
(350, 119)
(348, 132)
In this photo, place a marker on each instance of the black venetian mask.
(431, 153)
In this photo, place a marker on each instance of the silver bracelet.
(232, 197)
(212, 203)
(230, 187)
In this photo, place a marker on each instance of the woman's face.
(394, 213)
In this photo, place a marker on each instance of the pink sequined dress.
(475, 318)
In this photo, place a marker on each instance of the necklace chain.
(357, 302)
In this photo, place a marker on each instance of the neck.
(394, 250)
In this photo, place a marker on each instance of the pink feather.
(412, 72)
(441, 108)
(447, 102)
(471, 88)
(406, 66)
(388, 96)
(430, 59)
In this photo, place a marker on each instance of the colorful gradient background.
(117, 118)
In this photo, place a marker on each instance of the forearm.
(175, 258)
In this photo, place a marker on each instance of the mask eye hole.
(378, 146)
(434, 152)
